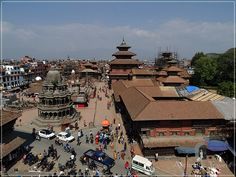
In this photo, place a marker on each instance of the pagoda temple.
(55, 106)
(166, 59)
(123, 63)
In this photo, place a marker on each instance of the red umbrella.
(105, 123)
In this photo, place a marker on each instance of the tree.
(227, 89)
(205, 71)
(196, 57)
(226, 62)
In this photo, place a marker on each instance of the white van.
(143, 165)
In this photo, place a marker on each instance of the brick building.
(160, 119)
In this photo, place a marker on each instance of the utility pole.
(186, 165)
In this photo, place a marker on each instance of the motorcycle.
(50, 166)
(72, 171)
(58, 142)
(42, 163)
(107, 172)
(30, 159)
(83, 160)
(61, 167)
(70, 164)
(67, 148)
(92, 166)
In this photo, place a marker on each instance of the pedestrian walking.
(87, 139)
(118, 155)
(78, 140)
(112, 145)
(79, 133)
(126, 165)
(114, 155)
(45, 154)
(122, 155)
(125, 146)
(105, 145)
(90, 133)
(118, 126)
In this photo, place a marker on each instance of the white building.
(11, 77)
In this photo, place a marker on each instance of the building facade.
(12, 148)
(11, 77)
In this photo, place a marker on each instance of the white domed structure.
(38, 78)
(73, 71)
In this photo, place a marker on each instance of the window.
(199, 131)
(161, 134)
(186, 133)
(138, 163)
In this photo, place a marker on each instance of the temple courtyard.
(91, 120)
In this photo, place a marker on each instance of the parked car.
(44, 133)
(64, 136)
(99, 158)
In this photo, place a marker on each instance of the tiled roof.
(35, 87)
(128, 53)
(174, 68)
(11, 146)
(161, 79)
(162, 73)
(125, 61)
(143, 107)
(142, 72)
(121, 85)
(166, 141)
(89, 71)
(8, 116)
(184, 74)
(174, 79)
(119, 71)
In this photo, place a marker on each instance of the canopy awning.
(185, 150)
(217, 145)
(191, 88)
(105, 123)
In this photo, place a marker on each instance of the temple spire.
(123, 41)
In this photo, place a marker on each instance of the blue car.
(100, 158)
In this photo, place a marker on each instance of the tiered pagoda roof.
(123, 52)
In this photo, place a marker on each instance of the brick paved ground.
(97, 111)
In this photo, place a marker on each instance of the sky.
(87, 30)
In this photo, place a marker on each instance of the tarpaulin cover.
(217, 145)
(191, 88)
(185, 150)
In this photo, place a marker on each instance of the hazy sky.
(93, 30)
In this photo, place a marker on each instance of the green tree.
(226, 62)
(226, 88)
(205, 71)
(196, 57)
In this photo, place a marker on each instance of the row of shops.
(12, 146)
